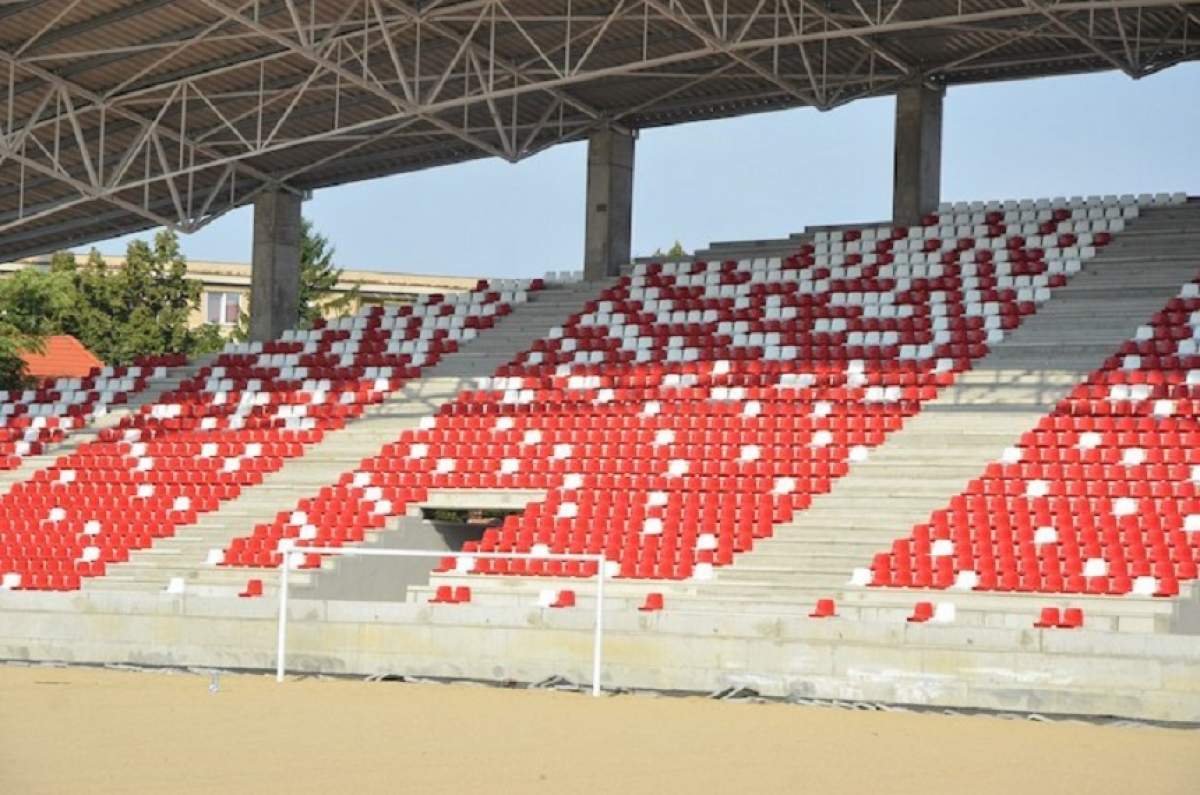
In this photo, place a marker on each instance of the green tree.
(207, 338)
(120, 313)
(675, 252)
(319, 277)
(32, 303)
(140, 308)
(63, 261)
(12, 366)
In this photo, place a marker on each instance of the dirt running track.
(75, 730)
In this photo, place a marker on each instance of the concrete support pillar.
(275, 269)
(607, 246)
(917, 175)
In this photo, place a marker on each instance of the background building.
(225, 286)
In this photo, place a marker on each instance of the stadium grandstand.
(947, 459)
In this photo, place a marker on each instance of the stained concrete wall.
(387, 579)
(275, 266)
(917, 164)
(609, 223)
(1076, 672)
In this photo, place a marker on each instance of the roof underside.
(118, 115)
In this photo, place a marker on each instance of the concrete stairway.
(934, 456)
(184, 554)
(155, 387)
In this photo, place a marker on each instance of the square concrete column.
(607, 246)
(275, 268)
(917, 175)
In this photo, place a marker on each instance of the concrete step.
(879, 532)
(201, 586)
(896, 486)
(881, 475)
(160, 573)
(888, 606)
(770, 576)
(829, 558)
(807, 545)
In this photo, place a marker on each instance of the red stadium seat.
(253, 588)
(653, 603)
(564, 599)
(922, 612)
(443, 595)
(1049, 618)
(826, 608)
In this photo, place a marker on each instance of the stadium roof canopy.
(118, 115)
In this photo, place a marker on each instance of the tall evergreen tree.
(674, 252)
(319, 277)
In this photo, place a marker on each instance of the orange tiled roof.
(63, 357)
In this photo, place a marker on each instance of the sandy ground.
(76, 730)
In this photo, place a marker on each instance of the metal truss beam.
(720, 45)
(186, 134)
(73, 101)
(401, 103)
(1088, 42)
(516, 73)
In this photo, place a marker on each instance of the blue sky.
(757, 176)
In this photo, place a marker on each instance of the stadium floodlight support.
(294, 554)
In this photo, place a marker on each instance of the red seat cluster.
(1052, 618)
(1103, 497)
(238, 419)
(692, 406)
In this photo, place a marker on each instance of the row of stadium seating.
(1141, 200)
(221, 431)
(32, 419)
(1102, 497)
(693, 406)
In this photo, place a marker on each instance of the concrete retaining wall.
(388, 579)
(1064, 672)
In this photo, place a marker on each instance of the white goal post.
(296, 554)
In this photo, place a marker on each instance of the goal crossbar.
(296, 554)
